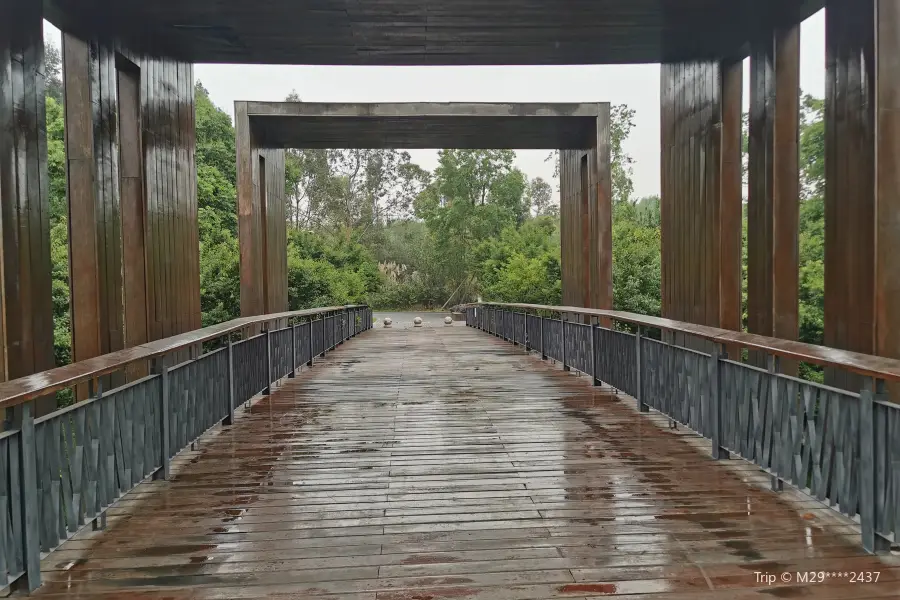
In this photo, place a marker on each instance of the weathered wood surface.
(26, 308)
(432, 32)
(441, 463)
(586, 218)
(261, 220)
(700, 201)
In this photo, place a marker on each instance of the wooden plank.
(133, 211)
(850, 201)
(424, 497)
(730, 199)
(786, 190)
(27, 324)
(249, 292)
(887, 186)
(602, 245)
(759, 202)
(80, 189)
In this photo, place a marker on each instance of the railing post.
(563, 319)
(310, 321)
(543, 341)
(160, 368)
(28, 495)
(268, 339)
(229, 412)
(293, 372)
(773, 365)
(639, 370)
(714, 381)
(872, 541)
(594, 349)
(527, 345)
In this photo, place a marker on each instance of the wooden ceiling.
(429, 32)
(424, 125)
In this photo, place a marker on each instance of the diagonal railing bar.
(63, 471)
(837, 446)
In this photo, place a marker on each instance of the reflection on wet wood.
(440, 462)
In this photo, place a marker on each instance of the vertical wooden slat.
(786, 189)
(250, 304)
(602, 245)
(759, 203)
(730, 200)
(887, 184)
(80, 188)
(131, 177)
(852, 209)
(27, 323)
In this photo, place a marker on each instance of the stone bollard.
(417, 322)
(387, 322)
(448, 320)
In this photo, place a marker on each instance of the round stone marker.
(417, 321)
(387, 321)
(448, 320)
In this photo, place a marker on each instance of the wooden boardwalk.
(442, 463)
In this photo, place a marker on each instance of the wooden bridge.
(441, 462)
(433, 462)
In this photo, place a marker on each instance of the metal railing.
(61, 472)
(840, 447)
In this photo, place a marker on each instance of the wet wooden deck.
(424, 464)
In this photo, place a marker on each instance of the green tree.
(540, 198)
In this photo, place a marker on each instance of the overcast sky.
(634, 85)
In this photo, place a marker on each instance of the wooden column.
(773, 201)
(586, 220)
(262, 226)
(601, 215)
(731, 204)
(887, 180)
(571, 230)
(251, 280)
(131, 184)
(80, 182)
(701, 199)
(862, 169)
(26, 327)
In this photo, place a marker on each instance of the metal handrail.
(838, 447)
(878, 367)
(62, 471)
(27, 388)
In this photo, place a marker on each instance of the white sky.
(634, 85)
